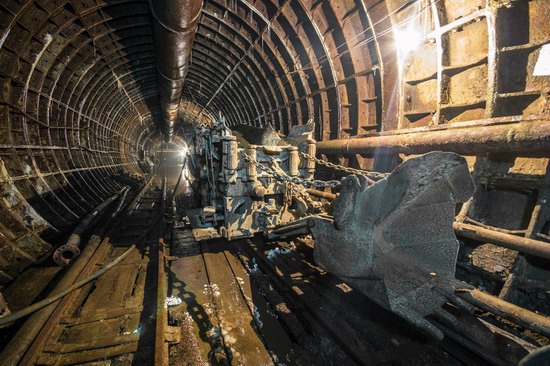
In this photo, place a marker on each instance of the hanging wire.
(309, 66)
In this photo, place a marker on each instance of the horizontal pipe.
(521, 244)
(528, 319)
(286, 228)
(321, 194)
(528, 137)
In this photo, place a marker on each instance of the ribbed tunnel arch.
(80, 91)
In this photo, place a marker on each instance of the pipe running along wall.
(174, 28)
(522, 138)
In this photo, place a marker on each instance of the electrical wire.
(286, 77)
(325, 58)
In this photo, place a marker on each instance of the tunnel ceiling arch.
(80, 98)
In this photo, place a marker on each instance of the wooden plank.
(127, 275)
(196, 312)
(161, 346)
(273, 334)
(79, 299)
(102, 315)
(301, 321)
(136, 294)
(51, 330)
(92, 343)
(87, 356)
(371, 336)
(235, 317)
(105, 329)
(27, 286)
(110, 289)
(100, 298)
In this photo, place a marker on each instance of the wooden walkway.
(114, 316)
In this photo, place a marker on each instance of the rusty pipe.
(528, 137)
(25, 336)
(66, 253)
(175, 24)
(320, 194)
(521, 244)
(528, 319)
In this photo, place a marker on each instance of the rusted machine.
(248, 190)
(393, 240)
(389, 236)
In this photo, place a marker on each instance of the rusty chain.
(282, 177)
(328, 164)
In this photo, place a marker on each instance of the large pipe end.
(65, 254)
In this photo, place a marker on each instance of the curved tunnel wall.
(79, 90)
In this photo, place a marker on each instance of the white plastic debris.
(255, 268)
(48, 38)
(257, 317)
(273, 253)
(172, 301)
(215, 289)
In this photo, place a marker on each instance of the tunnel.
(283, 182)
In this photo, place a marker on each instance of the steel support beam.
(521, 244)
(522, 138)
(528, 319)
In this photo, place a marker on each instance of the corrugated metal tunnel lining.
(80, 90)
(90, 90)
(80, 95)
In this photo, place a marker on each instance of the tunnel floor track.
(245, 302)
(114, 316)
(258, 303)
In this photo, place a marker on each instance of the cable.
(324, 58)
(39, 305)
(285, 78)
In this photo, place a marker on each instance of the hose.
(22, 340)
(66, 253)
(39, 305)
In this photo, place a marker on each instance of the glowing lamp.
(406, 40)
